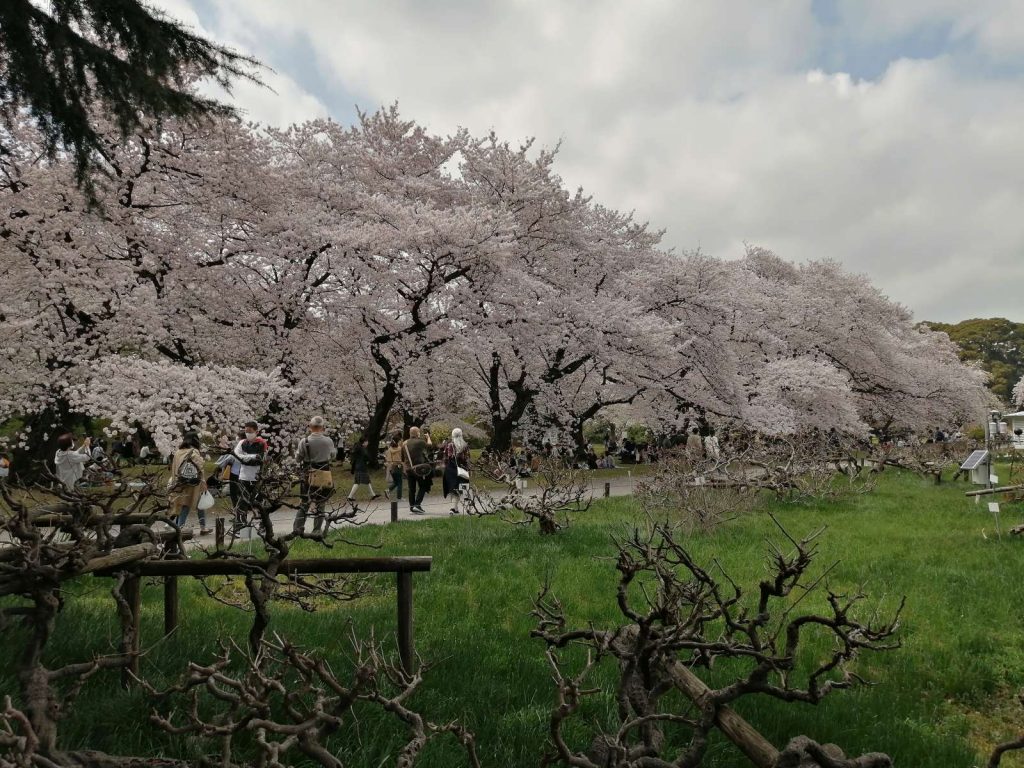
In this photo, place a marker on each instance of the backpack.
(188, 472)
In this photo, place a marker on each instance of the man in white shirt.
(250, 453)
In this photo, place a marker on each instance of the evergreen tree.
(997, 343)
(63, 61)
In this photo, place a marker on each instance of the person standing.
(314, 453)
(184, 493)
(393, 465)
(229, 461)
(694, 445)
(250, 452)
(70, 463)
(419, 468)
(455, 480)
(711, 447)
(361, 469)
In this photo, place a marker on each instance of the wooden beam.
(118, 558)
(55, 520)
(987, 491)
(751, 743)
(240, 567)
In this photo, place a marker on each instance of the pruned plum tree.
(678, 618)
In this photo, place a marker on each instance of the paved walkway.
(379, 512)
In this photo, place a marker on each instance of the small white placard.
(993, 507)
(994, 479)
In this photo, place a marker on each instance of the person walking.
(70, 463)
(187, 484)
(455, 480)
(419, 468)
(393, 466)
(361, 469)
(315, 452)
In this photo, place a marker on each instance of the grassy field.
(940, 700)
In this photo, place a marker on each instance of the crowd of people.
(410, 465)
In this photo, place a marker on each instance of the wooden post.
(394, 511)
(405, 646)
(607, 490)
(170, 604)
(218, 534)
(132, 591)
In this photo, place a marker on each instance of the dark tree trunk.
(378, 422)
(503, 426)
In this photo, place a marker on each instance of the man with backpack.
(314, 453)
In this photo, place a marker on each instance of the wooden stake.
(170, 604)
(405, 643)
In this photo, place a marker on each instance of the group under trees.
(224, 272)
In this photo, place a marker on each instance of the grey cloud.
(710, 120)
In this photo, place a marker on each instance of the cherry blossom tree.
(358, 271)
(107, 289)
(559, 325)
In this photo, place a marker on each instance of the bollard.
(219, 533)
(394, 511)
(607, 490)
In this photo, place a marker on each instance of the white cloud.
(713, 120)
(280, 102)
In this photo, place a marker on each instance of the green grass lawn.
(938, 701)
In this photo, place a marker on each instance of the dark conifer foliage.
(62, 58)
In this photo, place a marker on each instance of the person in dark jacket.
(417, 453)
(456, 457)
(361, 469)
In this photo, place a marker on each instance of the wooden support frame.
(172, 570)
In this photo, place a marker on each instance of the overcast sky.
(885, 134)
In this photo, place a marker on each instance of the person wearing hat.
(314, 453)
